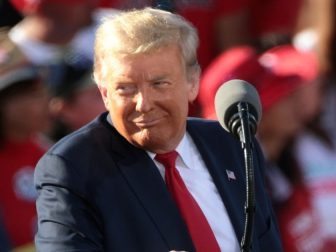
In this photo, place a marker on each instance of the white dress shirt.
(196, 177)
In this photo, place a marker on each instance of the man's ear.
(103, 93)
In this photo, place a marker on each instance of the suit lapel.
(143, 177)
(218, 162)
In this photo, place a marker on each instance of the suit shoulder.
(74, 159)
(206, 126)
(201, 122)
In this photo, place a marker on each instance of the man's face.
(148, 97)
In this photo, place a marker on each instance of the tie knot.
(167, 159)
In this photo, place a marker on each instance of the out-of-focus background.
(285, 48)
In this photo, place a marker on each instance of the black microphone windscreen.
(230, 94)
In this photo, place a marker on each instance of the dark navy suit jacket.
(97, 192)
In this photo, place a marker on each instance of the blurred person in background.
(45, 34)
(315, 148)
(287, 82)
(317, 33)
(24, 117)
(75, 101)
(326, 48)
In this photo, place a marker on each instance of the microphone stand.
(245, 137)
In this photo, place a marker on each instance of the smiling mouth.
(147, 123)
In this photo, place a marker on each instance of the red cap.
(287, 60)
(286, 69)
(275, 74)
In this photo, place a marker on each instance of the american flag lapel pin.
(230, 174)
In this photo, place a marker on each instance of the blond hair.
(142, 31)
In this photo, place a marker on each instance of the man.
(103, 187)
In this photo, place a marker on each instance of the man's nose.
(144, 101)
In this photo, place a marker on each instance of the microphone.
(232, 95)
(238, 110)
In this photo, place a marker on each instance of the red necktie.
(198, 226)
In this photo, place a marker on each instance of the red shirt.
(17, 192)
(299, 225)
(268, 16)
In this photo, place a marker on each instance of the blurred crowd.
(286, 49)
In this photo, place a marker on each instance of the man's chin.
(156, 143)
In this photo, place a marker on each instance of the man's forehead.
(139, 76)
(145, 66)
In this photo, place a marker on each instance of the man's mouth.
(147, 123)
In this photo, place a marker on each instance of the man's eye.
(126, 89)
(160, 83)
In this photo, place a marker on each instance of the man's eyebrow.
(159, 77)
(123, 80)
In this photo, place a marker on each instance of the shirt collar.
(184, 149)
